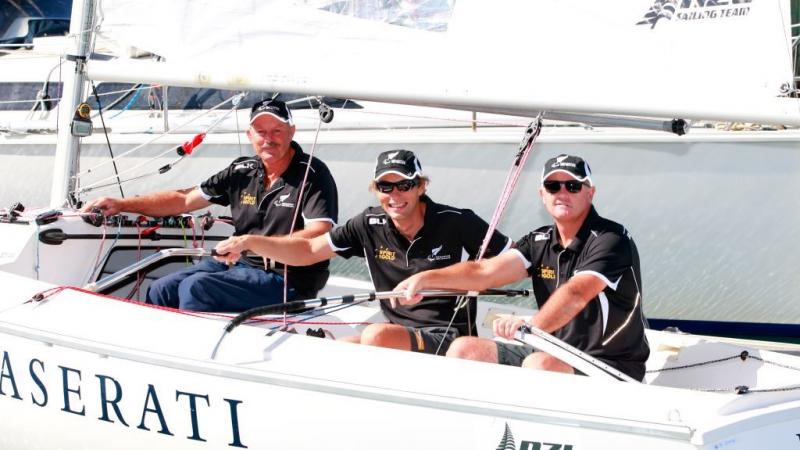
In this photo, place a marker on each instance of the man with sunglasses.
(585, 275)
(263, 192)
(406, 234)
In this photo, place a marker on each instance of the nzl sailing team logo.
(435, 256)
(507, 443)
(281, 201)
(693, 10)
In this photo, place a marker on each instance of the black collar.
(580, 237)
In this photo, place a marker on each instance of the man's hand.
(410, 286)
(507, 327)
(230, 250)
(109, 206)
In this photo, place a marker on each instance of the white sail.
(697, 59)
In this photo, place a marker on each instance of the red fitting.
(148, 231)
(189, 146)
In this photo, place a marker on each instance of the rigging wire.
(102, 183)
(108, 141)
(297, 207)
(170, 131)
(525, 147)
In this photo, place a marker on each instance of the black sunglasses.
(402, 185)
(553, 186)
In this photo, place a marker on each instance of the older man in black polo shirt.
(262, 192)
(406, 234)
(585, 274)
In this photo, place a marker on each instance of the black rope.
(744, 355)
(320, 311)
(105, 131)
(740, 390)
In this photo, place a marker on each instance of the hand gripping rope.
(524, 150)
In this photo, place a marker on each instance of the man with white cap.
(262, 192)
(585, 275)
(406, 234)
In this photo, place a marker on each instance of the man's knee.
(194, 295)
(476, 349)
(543, 361)
(163, 292)
(386, 335)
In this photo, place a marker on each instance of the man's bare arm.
(562, 306)
(471, 275)
(158, 204)
(314, 229)
(295, 251)
(567, 301)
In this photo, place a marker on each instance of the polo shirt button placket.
(558, 267)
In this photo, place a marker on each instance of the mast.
(67, 147)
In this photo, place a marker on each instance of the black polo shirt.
(268, 212)
(448, 236)
(611, 326)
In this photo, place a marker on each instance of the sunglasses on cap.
(553, 186)
(402, 185)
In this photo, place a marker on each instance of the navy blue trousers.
(214, 287)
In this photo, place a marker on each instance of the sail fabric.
(696, 59)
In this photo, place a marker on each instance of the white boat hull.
(86, 371)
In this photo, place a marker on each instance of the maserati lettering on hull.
(149, 417)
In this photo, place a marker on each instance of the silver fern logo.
(281, 201)
(662, 9)
(688, 10)
(435, 256)
(507, 441)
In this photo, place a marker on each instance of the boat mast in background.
(67, 156)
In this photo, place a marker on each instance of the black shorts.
(431, 339)
(513, 355)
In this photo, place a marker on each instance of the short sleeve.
(347, 240)
(322, 199)
(525, 247)
(608, 256)
(216, 188)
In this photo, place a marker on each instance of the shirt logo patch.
(243, 166)
(541, 237)
(247, 199)
(377, 221)
(281, 201)
(385, 254)
(435, 256)
(547, 273)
